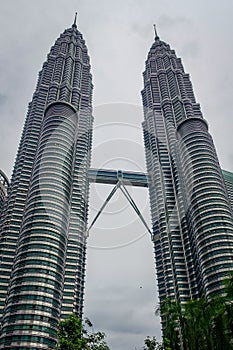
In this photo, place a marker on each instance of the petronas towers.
(44, 218)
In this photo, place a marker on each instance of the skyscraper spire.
(75, 20)
(155, 30)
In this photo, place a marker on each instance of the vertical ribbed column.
(34, 299)
(208, 210)
(76, 248)
(228, 179)
(4, 183)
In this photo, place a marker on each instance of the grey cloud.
(141, 29)
(170, 21)
(126, 322)
(3, 99)
(191, 48)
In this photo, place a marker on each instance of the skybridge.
(120, 179)
(112, 177)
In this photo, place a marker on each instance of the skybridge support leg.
(129, 199)
(134, 206)
(103, 206)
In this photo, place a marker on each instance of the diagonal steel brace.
(129, 199)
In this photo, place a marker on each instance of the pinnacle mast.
(155, 30)
(75, 20)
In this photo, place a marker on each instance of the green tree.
(72, 335)
(229, 287)
(96, 340)
(152, 344)
(171, 315)
(202, 324)
(197, 330)
(166, 344)
(229, 302)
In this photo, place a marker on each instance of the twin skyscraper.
(44, 217)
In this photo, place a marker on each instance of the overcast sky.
(120, 289)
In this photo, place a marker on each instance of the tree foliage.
(152, 344)
(203, 324)
(73, 335)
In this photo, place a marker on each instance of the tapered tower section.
(191, 212)
(43, 244)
